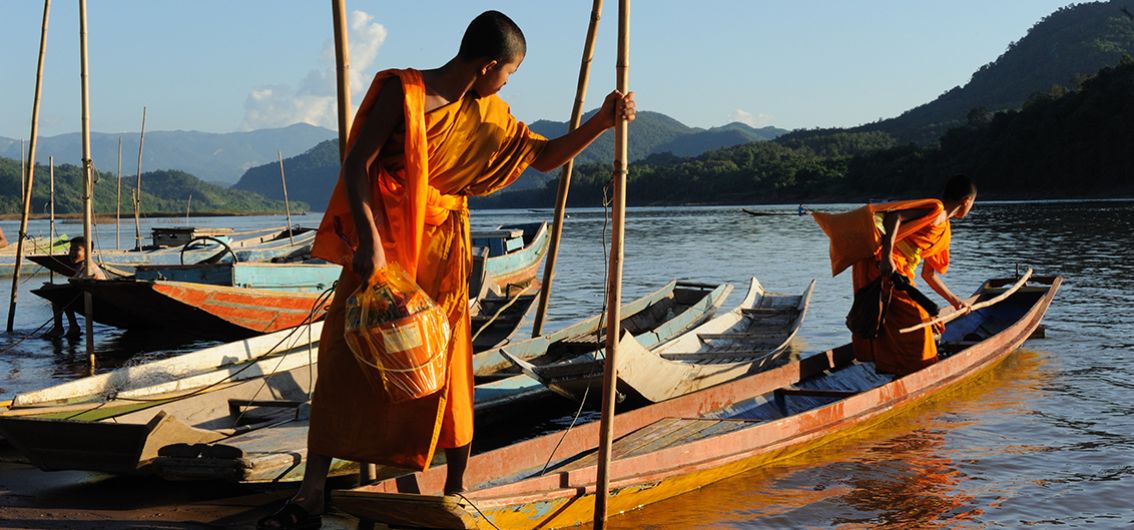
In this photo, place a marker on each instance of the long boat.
(32, 245)
(193, 246)
(754, 336)
(236, 300)
(275, 454)
(676, 446)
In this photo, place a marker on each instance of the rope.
(477, 508)
(500, 311)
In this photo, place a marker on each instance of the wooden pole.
(614, 279)
(342, 68)
(953, 315)
(23, 171)
(565, 173)
(138, 187)
(88, 181)
(51, 221)
(188, 207)
(366, 472)
(26, 190)
(287, 207)
(118, 203)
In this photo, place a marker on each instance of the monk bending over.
(422, 142)
(911, 232)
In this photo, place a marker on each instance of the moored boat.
(754, 336)
(685, 443)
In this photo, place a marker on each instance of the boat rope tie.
(477, 508)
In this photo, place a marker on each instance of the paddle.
(953, 315)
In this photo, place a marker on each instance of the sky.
(225, 66)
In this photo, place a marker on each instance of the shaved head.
(493, 36)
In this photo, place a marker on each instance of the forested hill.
(311, 175)
(1058, 51)
(163, 192)
(1061, 145)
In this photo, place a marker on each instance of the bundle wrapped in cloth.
(399, 335)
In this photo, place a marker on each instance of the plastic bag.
(398, 334)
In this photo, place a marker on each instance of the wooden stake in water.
(565, 173)
(342, 70)
(138, 187)
(614, 280)
(23, 172)
(26, 190)
(287, 207)
(88, 181)
(118, 203)
(188, 206)
(51, 221)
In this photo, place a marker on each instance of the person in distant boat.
(422, 141)
(910, 233)
(78, 257)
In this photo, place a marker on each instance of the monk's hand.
(368, 258)
(618, 106)
(962, 306)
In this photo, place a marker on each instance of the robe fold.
(419, 187)
(856, 241)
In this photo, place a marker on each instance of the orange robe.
(856, 240)
(424, 172)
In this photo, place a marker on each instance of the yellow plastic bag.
(398, 334)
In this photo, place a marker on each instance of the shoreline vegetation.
(103, 218)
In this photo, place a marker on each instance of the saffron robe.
(418, 187)
(856, 240)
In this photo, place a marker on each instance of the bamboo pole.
(366, 471)
(188, 207)
(26, 190)
(614, 280)
(88, 181)
(23, 172)
(953, 315)
(138, 187)
(118, 203)
(342, 69)
(51, 219)
(565, 173)
(287, 207)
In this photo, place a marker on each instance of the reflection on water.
(1045, 439)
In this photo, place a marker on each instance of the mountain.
(163, 192)
(312, 175)
(1058, 52)
(650, 133)
(214, 157)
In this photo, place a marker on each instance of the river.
(1043, 440)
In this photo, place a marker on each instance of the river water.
(1046, 439)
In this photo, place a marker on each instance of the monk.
(881, 239)
(422, 142)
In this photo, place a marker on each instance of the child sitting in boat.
(78, 257)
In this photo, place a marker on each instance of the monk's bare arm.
(560, 150)
(384, 116)
(934, 280)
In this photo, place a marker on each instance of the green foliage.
(310, 176)
(165, 191)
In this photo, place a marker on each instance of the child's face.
(78, 253)
(496, 76)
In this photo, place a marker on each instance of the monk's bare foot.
(74, 333)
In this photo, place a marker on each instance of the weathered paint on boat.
(290, 277)
(734, 427)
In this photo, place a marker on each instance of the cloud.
(313, 99)
(747, 118)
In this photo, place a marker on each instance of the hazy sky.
(223, 65)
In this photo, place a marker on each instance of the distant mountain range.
(213, 157)
(1059, 51)
(311, 175)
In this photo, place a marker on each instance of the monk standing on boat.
(422, 141)
(883, 238)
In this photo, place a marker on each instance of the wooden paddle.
(953, 315)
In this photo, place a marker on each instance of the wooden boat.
(235, 300)
(275, 454)
(754, 336)
(682, 444)
(271, 244)
(32, 245)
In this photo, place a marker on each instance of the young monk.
(78, 257)
(422, 142)
(897, 237)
